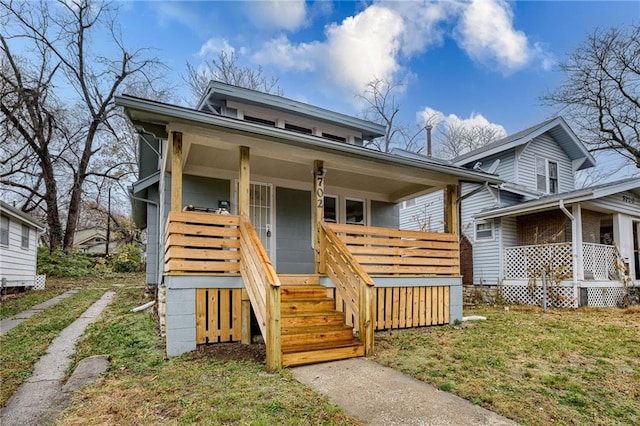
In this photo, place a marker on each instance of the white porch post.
(623, 237)
(576, 210)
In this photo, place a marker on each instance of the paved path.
(40, 397)
(8, 323)
(379, 395)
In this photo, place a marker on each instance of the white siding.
(426, 214)
(546, 147)
(18, 265)
(616, 203)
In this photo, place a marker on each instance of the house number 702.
(320, 188)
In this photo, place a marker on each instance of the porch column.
(176, 171)
(576, 211)
(244, 180)
(317, 212)
(623, 237)
(451, 209)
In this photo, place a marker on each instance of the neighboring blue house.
(585, 238)
(259, 205)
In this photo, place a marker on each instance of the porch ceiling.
(296, 165)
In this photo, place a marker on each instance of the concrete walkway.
(41, 397)
(8, 323)
(379, 395)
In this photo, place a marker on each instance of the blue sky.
(473, 61)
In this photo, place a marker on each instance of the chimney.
(428, 127)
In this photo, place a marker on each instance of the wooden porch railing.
(352, 282)
(263, 286)
(202, 244)
(395, 252)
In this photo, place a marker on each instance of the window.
(484, 230)
(330, 209)
(25, 237)
(4, 230)
(546, 175)
(354, 210)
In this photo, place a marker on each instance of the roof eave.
(537, 205)
(172, 112)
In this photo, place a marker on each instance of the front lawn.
(560, 367)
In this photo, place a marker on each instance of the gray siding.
(426, 214)
(545, 146)
(385, 215)
(486, 264)
(18, 265)
(181, 321)
(152, 237)
(148, 157)
(294, 254)
(198, 191)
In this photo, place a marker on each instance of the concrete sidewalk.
(379, 395)
(41, 397)
(9, 323)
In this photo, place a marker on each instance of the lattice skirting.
(604, 297)
(39, 282)
(557, 297)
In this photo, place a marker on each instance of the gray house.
(585, 240)
(18, 247)
(268, 211)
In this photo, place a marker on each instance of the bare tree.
(63, 145)
(381, 107)
(600, 95)
(225, 68)
(455, 138)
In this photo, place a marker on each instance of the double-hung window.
(4, 230)
(546, 175)
(25, 237)
(484, 230)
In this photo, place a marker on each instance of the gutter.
(159, 245)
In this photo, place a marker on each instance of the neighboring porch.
(602, 281)
(370, 278)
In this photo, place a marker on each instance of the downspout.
(574, 250)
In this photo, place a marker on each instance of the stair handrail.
(263, 286)
(352, 282)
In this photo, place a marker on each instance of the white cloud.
(214, 46)
(485, 31)
(279, 14)
(281, 52)
(438, 119)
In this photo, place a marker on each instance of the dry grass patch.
(221, 384)
(560, 367)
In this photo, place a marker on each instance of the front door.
(261, 215)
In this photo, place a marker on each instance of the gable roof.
(21, 216)
(222, 91)
(579, 195)
(557, 127)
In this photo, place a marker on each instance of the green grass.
(562, 367)
(23, 345)
(26, 300)
(144, 388)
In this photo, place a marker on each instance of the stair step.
(302, 291)
(321, 352)
(307, 319)
(308, 335)
(299, 279)
(307, 305)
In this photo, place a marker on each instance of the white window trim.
(547, 175)
(8, 231)
(338, 213)
(22, 229)
(493, 230)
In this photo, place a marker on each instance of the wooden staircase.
(312, 330)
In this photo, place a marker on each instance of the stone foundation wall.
(473, 294)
